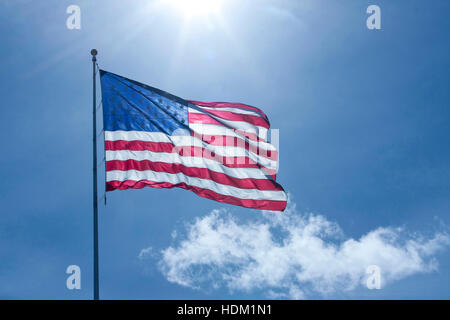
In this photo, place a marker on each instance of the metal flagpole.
(95, 196)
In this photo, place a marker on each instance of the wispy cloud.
(291, 255)
(281, 13)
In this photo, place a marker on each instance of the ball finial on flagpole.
(94, 53)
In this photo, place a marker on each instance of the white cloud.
(145, 253)
(291, 255)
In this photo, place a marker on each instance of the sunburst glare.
(196, 7)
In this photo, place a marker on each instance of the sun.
(192, 8)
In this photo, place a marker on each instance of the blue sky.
(364, 132)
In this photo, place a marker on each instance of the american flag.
(218, 150)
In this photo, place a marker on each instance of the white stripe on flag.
(214, 129)
(234, 110)
(178, 140)
(239, 125)
(187, 141)
(194, 162)
(135, 175)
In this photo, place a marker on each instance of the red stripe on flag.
(228, 105)
(227, 115)
(220, 140)
(202, 173)
(245, 135)
(205, 193)
(138, 145)
(188, 151)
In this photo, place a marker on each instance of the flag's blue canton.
(132, 106)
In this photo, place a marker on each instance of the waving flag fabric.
(218, 150)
